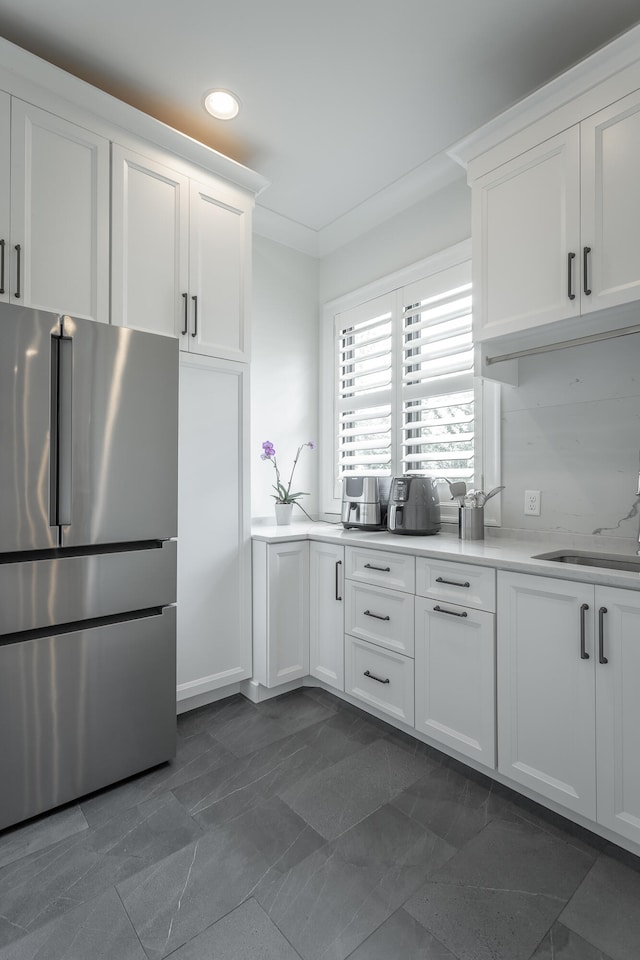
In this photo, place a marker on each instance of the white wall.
(284, 370)
(571, 429)
(437, 222)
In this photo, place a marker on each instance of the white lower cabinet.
(380, 678)
(326, 613)
(455, 678)
(214, 546)
(281, 605)
(568, 708)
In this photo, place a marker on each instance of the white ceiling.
(344, 102)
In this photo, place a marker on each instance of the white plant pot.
(283, 514)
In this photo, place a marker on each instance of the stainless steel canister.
(471, 523)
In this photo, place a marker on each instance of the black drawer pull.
(583, 644)
(370, 566)
(452, 613)
(372, 676)
(452, 583)
(376, 616)
(185, 297)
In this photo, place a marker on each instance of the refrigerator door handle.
(61, 396)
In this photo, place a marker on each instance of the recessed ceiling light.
(221, 104)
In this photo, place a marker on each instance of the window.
(399, 379)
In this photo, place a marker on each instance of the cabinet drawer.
(461, 583)
(381, 616)
(395, 570)
(381, 678)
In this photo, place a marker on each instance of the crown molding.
(621, 53)
(30, 77)
(420, 183)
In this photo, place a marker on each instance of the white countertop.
(503, 552)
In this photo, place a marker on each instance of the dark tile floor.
(303, 828)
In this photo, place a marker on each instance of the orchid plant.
(283, 493)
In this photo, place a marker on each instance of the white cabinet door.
(611, 204)
(5, 194)
(455, 678)
(546, 691)
(326, 613)
(526, 222)
(59, 215)
(280, 611)
(149, 245)
(618, 711)
(214, 547)
(219, 270)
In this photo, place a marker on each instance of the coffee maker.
(365, 501)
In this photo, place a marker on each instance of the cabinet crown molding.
(31, 78)
(583, 89)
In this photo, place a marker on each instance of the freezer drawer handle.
(452, 583)
(376, 616)
(2, 246)
(185, 297)
(370, 566)
(372, 676)
(452, 613)
(583, 646)
(18, 250)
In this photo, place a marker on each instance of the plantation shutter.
(437, 395)
(363, 344)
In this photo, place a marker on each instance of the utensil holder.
(471, 523)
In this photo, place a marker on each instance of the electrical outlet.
(532, 503)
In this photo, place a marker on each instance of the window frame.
(486, 393)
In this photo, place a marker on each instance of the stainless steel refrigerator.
(88, 520)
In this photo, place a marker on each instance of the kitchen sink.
(609, 561)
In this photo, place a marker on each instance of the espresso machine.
(365, 501)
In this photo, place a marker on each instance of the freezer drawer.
(83, 709)
(71, 587)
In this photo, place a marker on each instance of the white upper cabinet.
(526, 229)
(611, 205)
(150, 250)
(58, 245)
(181, 256)
(219, 266)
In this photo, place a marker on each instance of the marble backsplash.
(571, 429)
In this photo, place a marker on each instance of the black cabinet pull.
(583, 650)
(185, 297)
(370, 566)
(376, 616)
(338, 565)
(570, 292)
(2, 246)
(452, 613)
(372, 676)
(195, 317)
(601, 656)
(18, 250)
(452, 583)
(585, 270)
